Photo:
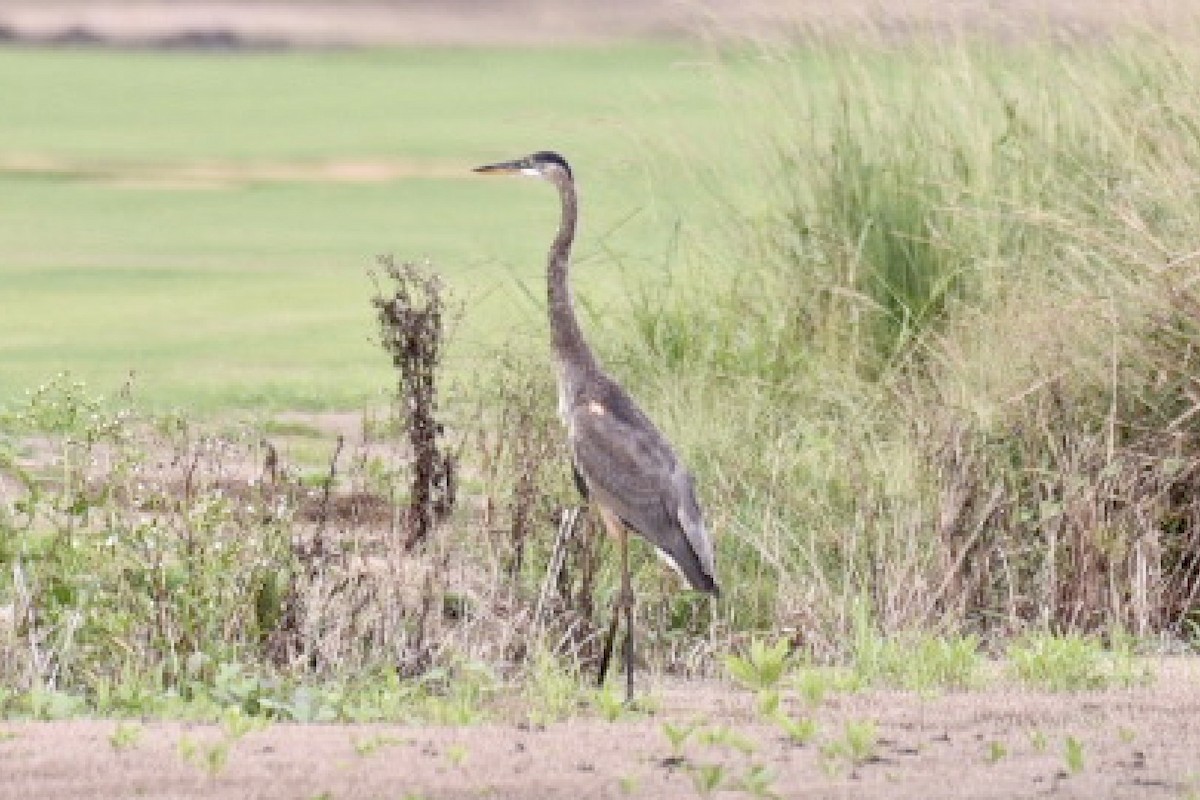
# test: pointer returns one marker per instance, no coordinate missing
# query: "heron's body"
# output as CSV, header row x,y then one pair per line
x,y
629,470
622,463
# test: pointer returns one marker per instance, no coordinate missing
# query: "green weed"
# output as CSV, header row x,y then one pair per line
x,y
917,661
706,777
856,746
813,684
210,757
235,723
724,736
678,735
800,731
861,739
762,667
767,701
758,780
1071,663
456,754
610,703
1073,755
125,736
372,744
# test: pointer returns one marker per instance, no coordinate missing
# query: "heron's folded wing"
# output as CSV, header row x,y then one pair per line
x,y
630,469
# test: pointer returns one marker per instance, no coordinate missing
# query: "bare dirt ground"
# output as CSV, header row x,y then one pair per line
x,y
1141,742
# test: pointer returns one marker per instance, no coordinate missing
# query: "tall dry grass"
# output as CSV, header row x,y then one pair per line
x,y
956,393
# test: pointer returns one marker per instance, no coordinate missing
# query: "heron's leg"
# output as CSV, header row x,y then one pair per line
x,y
606,654
626,600
616,529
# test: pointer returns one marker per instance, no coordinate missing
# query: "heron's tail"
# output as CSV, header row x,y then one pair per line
x,y
690,567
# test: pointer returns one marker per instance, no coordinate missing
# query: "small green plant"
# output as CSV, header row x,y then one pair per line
x,y
1073,754
610,703
862,738
1126,735
678,735
856,746
813,685
372,744
758,780
211,758
706,777
762,667
800,731
832,759
1038,740
456,754
125,736
768,702
629,784
722,736
996,751
236,723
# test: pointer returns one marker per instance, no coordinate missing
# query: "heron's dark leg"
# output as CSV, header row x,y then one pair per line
x,y
606,654
623,599
626,600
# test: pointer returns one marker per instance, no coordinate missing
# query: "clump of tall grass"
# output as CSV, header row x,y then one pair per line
x,y
969,403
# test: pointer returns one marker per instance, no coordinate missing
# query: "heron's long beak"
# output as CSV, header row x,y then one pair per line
x,y
501,168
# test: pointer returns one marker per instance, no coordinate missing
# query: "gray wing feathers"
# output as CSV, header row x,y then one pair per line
x,y
692,521
630,469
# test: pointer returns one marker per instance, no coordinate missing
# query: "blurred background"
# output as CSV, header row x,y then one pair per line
x,y
195,192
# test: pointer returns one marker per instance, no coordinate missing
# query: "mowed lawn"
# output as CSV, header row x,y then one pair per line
x,y
208,223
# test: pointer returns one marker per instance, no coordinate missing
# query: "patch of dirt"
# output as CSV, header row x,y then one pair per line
x,y
1142,742
224,175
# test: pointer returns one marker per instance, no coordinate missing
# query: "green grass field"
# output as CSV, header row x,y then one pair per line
x,y
251,292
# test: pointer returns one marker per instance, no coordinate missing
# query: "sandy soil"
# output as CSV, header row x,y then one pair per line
x,y
1135,743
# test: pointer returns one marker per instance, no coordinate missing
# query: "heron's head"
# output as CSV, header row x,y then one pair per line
x,y
544,164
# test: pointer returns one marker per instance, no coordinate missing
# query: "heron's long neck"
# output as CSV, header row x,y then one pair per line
x,y
566,338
